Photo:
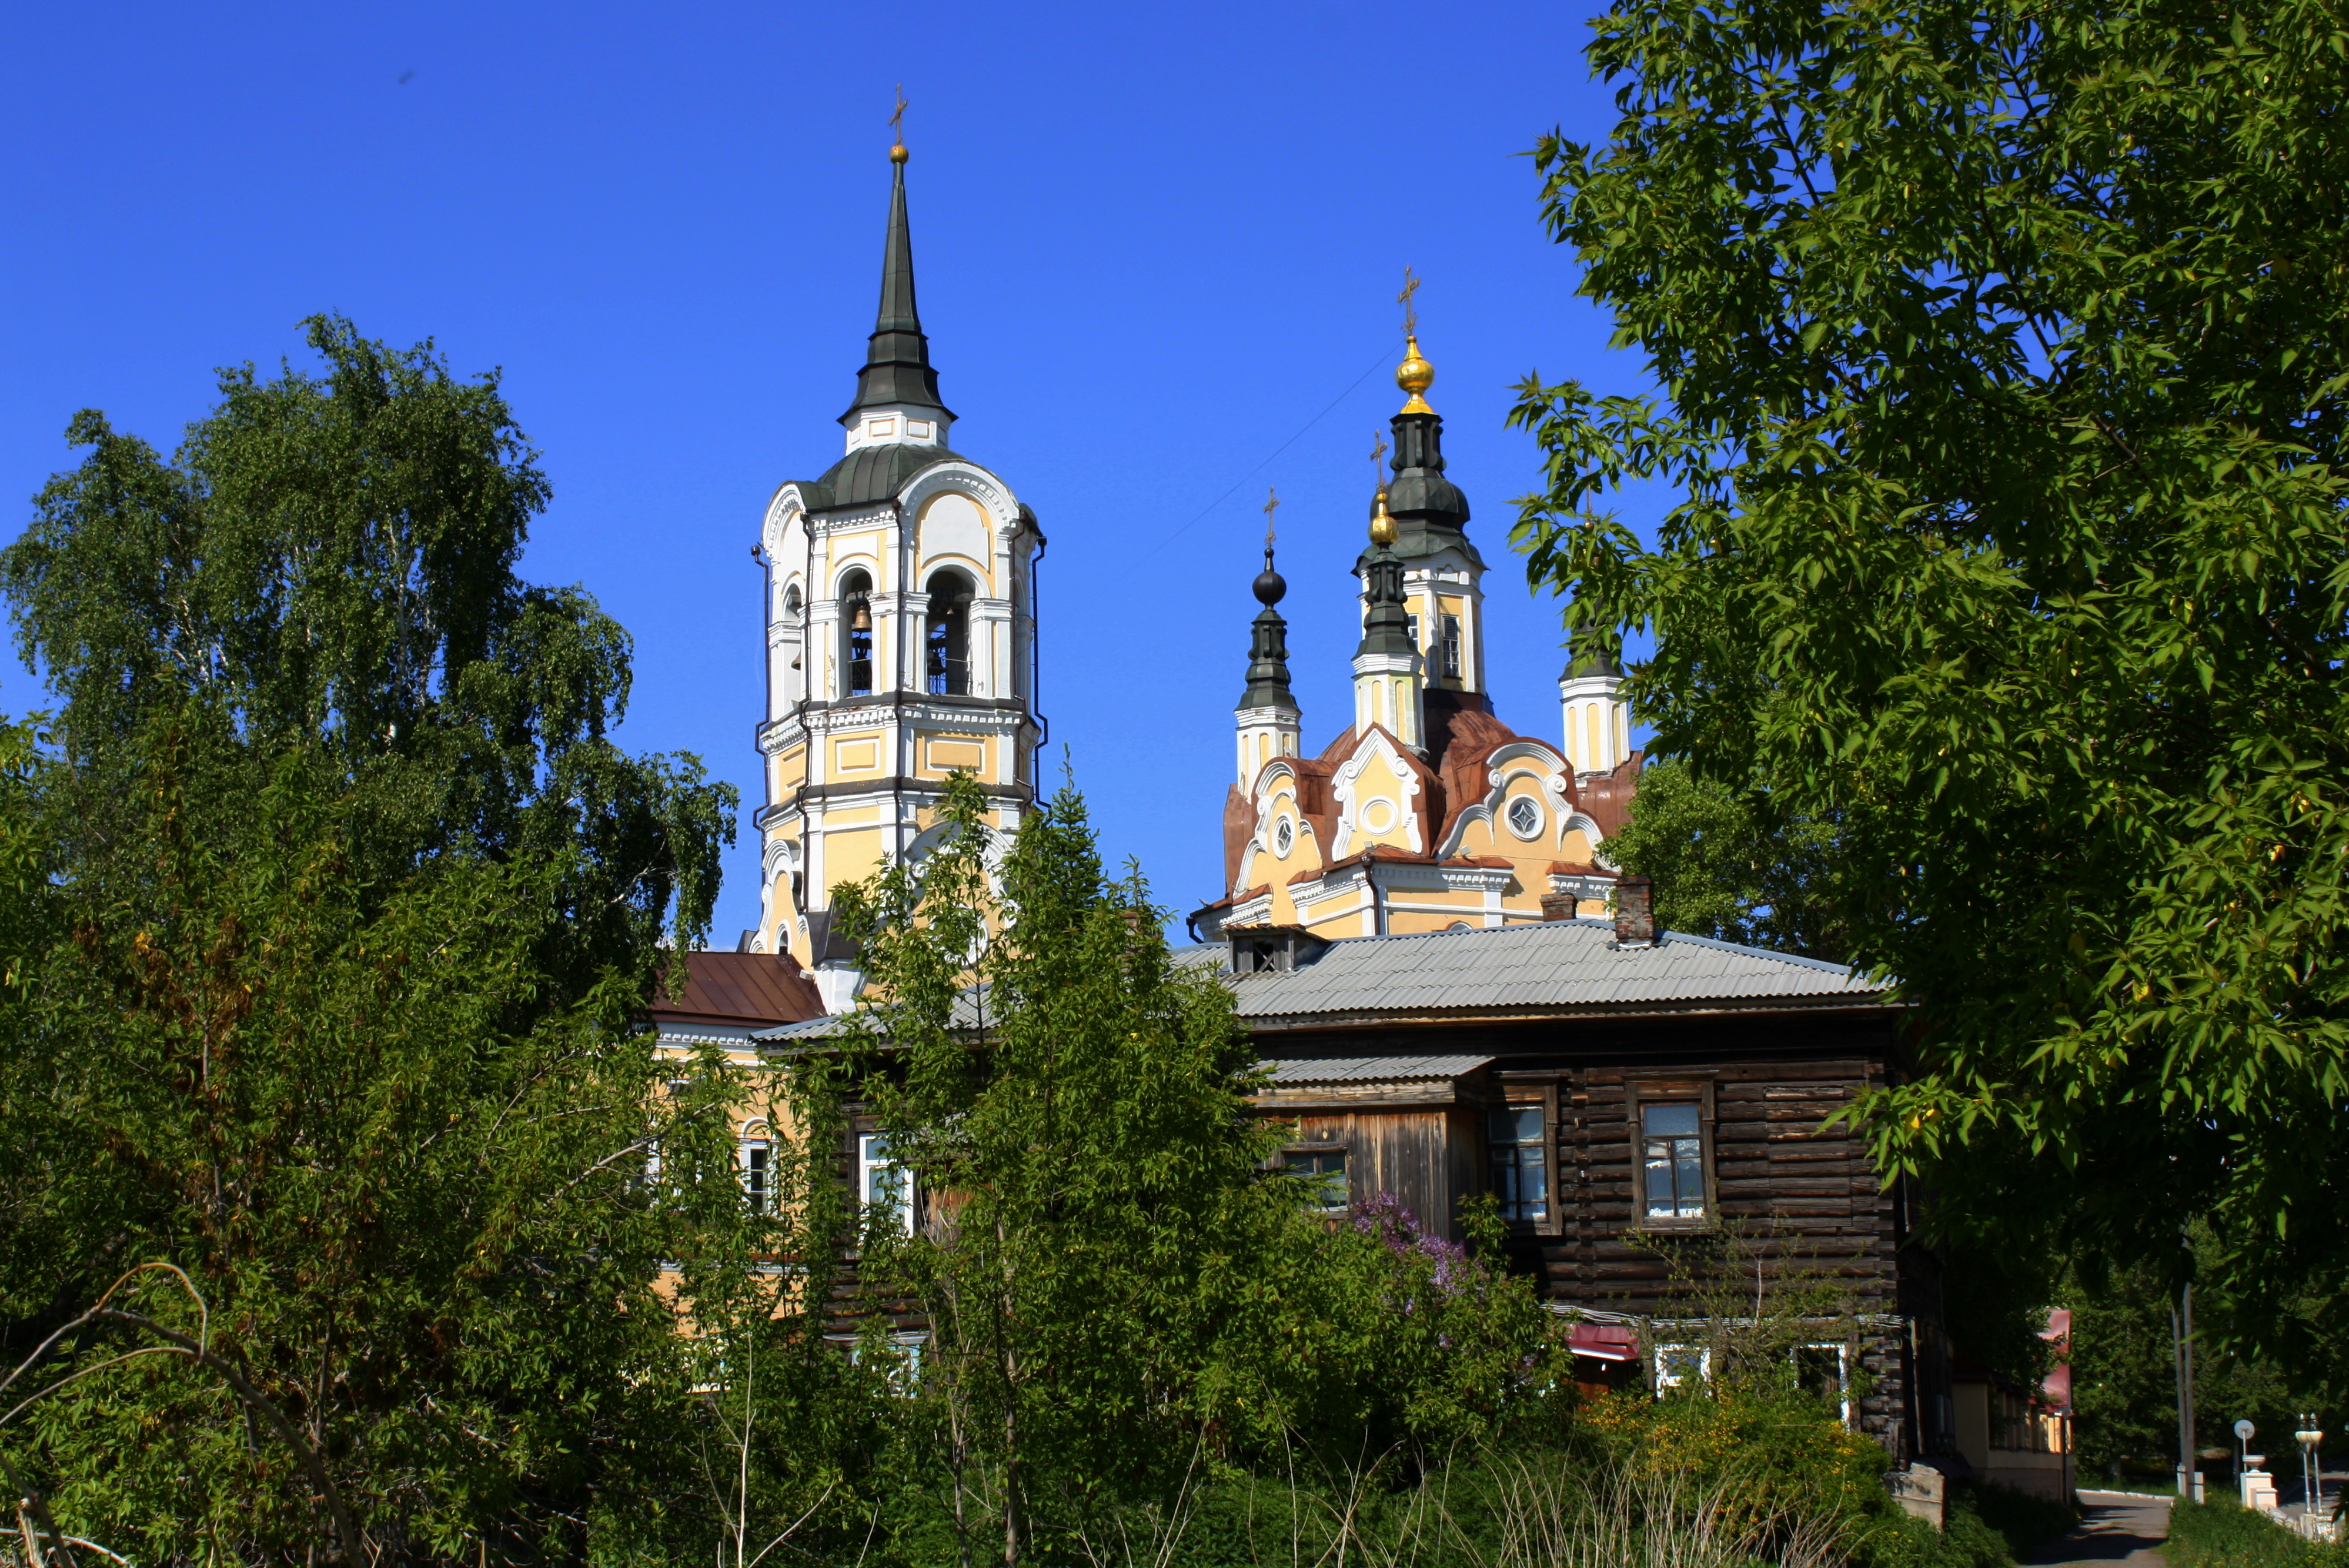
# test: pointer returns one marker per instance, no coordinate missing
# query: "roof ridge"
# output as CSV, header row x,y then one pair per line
x,y
1771,953
1473,930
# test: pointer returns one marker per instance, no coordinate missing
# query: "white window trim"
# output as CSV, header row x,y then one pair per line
x,y
866,1166
762,1198
1668,1378
1843,1372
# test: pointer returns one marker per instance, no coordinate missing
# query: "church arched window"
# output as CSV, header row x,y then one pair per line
x,y
948,657
856,635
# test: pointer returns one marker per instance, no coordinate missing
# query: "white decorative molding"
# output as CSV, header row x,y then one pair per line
x,y
782,854
896,425
1420,876
1590,831
862,520
1346,784
1269,777
1592,887
1519,760
968,479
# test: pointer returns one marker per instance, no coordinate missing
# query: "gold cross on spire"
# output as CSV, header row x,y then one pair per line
x,y
1271,511
897,127
1410,311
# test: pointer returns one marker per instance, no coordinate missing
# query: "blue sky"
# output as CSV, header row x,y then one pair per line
x,y
1154,244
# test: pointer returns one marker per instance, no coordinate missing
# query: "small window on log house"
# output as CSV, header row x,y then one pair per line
x,y
883,1187
1682,1366
1823,1371
1324,1173
1672,1159
1520,1163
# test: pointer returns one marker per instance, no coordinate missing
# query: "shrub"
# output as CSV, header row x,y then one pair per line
x,y
2222,1533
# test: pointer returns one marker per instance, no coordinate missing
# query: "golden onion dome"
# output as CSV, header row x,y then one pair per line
x,y
1415,376
1382,527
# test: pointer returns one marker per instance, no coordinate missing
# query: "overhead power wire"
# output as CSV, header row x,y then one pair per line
x,y
1276,452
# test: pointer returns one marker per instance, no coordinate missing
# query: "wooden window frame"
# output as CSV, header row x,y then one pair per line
x,y
1323,1145
1527,1091
1670,1088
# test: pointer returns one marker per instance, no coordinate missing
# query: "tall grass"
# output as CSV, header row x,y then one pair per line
x,y
1546,1508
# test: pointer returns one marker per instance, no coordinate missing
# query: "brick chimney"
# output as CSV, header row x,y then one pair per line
x,y
1635,914
1559,905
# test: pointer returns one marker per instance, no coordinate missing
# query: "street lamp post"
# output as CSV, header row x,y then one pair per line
x,y
2312,1475
2181,1323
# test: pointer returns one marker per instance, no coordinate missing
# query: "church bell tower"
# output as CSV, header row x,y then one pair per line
x,y
901,640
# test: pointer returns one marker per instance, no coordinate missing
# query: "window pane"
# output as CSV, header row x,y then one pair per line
x,y
1518,1124
1326,1169
1662,1203
1669,1120
1520,1163
1690,1178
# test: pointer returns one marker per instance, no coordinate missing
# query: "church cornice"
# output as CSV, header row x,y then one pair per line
x,y
907,787
990,716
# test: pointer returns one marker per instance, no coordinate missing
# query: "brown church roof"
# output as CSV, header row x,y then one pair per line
x,y
755,990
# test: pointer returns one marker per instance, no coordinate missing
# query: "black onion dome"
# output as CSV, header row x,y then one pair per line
x,y
1597,663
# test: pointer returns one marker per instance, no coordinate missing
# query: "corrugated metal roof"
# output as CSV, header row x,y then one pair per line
x,y
741,988
1554,966
1558,964
1372,1069
967,1014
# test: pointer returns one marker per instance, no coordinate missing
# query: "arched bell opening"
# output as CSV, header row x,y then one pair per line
x,y
856,635
947,660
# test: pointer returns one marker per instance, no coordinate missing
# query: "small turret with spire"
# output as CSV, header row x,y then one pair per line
x,y
1598,723
1268,721
1387,688
1443,575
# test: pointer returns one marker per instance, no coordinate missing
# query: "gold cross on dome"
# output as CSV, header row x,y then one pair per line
x,y
1271,510
1379,457
898,121
1410,311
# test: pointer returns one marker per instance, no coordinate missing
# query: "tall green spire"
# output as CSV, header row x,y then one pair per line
x,y
897,361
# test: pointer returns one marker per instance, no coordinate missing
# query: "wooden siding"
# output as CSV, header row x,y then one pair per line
x,y
1803,1201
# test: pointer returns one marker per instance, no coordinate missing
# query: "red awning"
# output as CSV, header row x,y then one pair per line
x,y
1605,1342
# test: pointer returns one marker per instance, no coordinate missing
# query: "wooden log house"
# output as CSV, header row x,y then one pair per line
x,y
1646,1107
1643,1104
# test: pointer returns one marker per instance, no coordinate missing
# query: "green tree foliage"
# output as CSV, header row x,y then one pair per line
x,y
334,911
1723,867
1118,1290
2124,1380
2002,387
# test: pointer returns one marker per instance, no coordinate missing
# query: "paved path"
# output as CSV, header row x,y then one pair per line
x,y
2115,1527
